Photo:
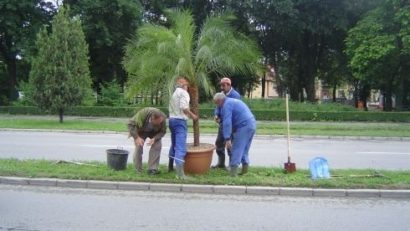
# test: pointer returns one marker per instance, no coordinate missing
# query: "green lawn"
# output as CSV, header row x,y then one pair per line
x,y
208,126
258,176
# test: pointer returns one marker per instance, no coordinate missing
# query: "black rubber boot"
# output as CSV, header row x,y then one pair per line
x,y
221,162
171,165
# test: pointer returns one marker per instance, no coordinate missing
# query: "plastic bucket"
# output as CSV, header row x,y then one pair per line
x,y
117,159
319,168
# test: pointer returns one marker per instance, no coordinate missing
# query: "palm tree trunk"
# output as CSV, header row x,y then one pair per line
x,y
193,90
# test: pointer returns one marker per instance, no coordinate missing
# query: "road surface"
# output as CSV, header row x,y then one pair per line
x,y
265,151
41,208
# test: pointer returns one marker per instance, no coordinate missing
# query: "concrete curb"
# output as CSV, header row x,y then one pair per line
x,y
207,189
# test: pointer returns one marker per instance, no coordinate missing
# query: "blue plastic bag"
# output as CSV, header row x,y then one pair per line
x,y
319,169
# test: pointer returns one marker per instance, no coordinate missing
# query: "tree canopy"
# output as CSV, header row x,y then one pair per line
x,y
19,24
379,50
359,42
107,24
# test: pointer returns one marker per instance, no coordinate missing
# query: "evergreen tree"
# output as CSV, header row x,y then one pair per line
x,y
60,74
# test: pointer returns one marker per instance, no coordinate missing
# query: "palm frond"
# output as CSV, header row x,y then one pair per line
x,y
157,55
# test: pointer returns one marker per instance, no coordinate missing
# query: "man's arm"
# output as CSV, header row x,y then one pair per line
x,y
184,104
190,114
227,120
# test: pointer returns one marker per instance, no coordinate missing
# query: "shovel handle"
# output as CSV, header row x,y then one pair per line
x,y
288,124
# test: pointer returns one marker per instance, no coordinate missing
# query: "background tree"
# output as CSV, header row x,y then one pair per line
x,y
158,55
19,24
107,24
60,73
379,51
111,95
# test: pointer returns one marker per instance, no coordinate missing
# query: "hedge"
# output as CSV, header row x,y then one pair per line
x,y
271,114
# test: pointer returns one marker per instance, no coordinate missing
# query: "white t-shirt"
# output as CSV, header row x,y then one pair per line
x,y
179,101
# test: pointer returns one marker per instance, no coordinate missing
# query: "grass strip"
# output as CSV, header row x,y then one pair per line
x,y
258,176
208,126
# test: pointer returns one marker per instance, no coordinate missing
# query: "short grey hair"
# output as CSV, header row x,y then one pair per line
x,y
219,96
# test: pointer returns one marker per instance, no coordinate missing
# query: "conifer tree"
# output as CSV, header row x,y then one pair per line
x,y
60,76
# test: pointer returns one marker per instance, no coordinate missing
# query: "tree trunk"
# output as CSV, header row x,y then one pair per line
x,y
61,114
334,92
310,91
263,84
388,103
11,63
356,93
364,94
194,94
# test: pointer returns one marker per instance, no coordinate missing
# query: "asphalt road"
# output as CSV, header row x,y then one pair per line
x,y
42,208
265,151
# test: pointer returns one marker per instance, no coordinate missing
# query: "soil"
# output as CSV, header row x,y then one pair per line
x,y
202,147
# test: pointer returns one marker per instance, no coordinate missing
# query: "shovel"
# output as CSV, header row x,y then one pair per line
x,y
289,166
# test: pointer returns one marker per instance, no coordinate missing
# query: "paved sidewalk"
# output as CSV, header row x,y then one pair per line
x,y
208,189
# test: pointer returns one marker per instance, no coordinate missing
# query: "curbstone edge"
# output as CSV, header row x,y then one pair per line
x,y
225,189
209,189
296,191
395,194
319,192
259,190
192,188
94,184
72,183
133,186
42,182
363,193
165,187
15,180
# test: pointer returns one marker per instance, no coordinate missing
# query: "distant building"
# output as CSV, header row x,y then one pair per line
x,y
270,86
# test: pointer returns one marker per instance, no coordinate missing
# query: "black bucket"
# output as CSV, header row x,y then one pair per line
x,y
117,159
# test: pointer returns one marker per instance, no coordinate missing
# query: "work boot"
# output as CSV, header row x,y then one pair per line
x,y
233,171
221,162
180,174
171,165
245,168
153,172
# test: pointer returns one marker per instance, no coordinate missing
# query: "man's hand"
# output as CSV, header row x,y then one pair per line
x,y
228,144
139,141
151,142
194,117
217,119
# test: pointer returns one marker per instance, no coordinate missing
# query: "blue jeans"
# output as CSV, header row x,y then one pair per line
x,y
242,140
179,131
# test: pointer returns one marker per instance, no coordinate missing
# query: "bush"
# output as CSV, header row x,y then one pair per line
x,y
279,104
207,113
111,94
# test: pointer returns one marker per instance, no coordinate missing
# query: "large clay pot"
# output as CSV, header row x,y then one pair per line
x,y
198,159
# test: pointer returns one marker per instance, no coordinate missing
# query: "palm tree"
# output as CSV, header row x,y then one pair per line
x,y
158,55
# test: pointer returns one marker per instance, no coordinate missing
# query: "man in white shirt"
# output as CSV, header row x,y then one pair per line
x,y
178,115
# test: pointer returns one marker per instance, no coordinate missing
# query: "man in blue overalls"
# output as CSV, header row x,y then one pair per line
x,y
179,113
239,123
230,92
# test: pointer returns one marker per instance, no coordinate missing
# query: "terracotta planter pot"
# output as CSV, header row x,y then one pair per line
x,y
198,159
